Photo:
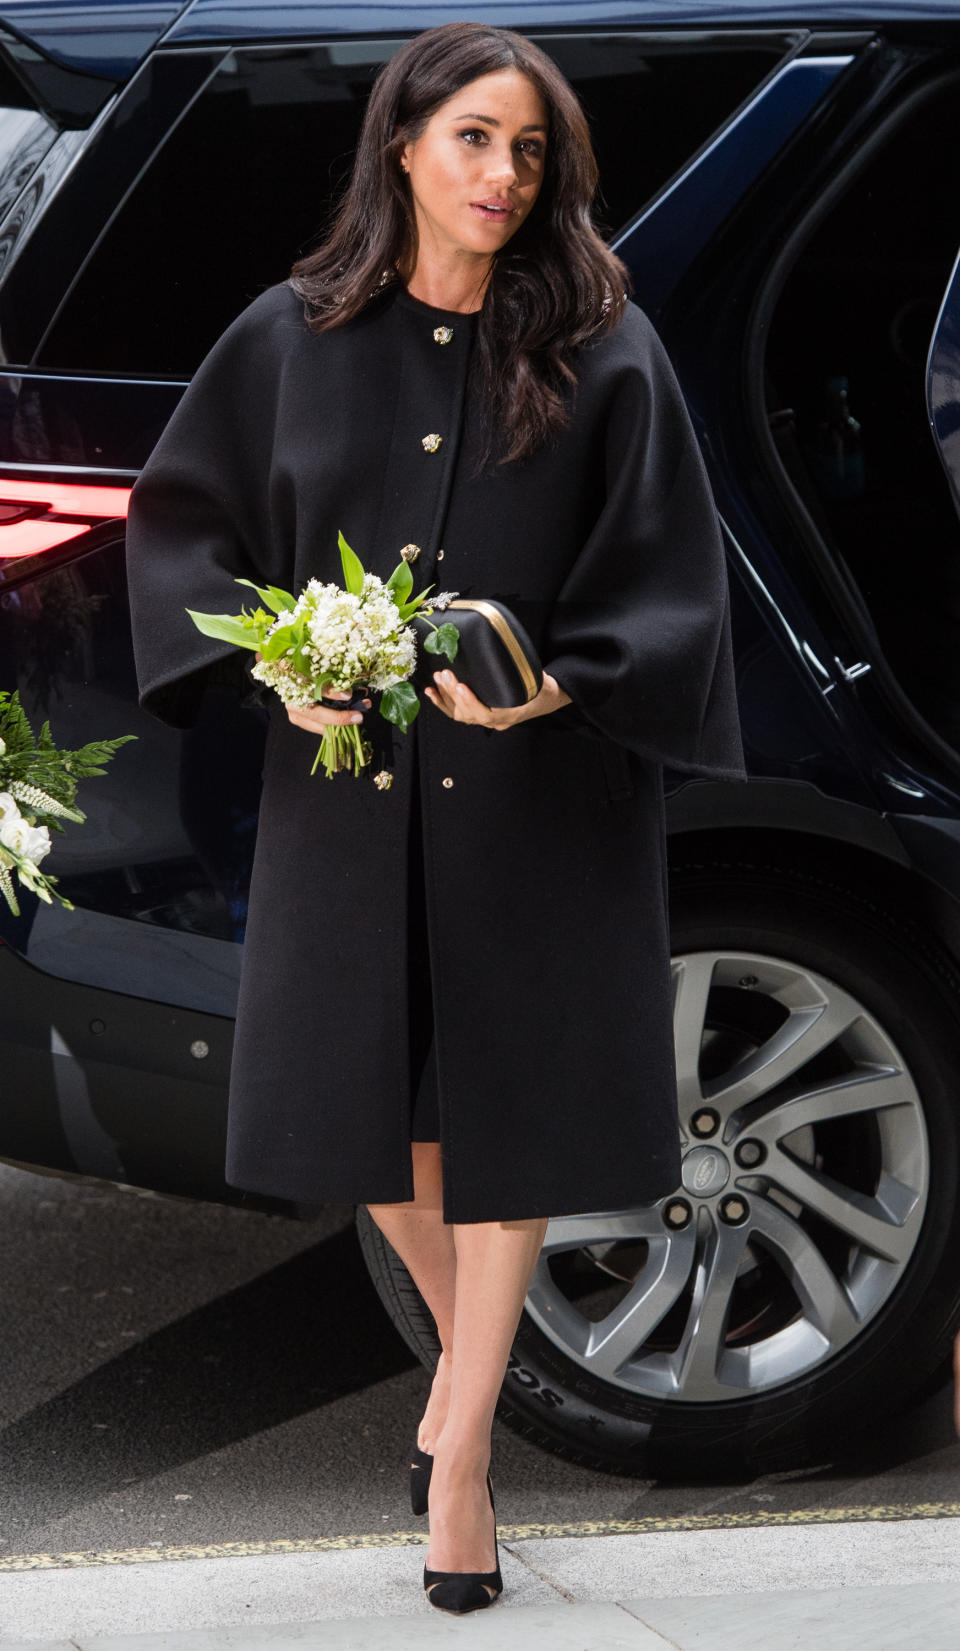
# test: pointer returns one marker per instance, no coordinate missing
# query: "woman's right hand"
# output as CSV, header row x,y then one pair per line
x,y
316,718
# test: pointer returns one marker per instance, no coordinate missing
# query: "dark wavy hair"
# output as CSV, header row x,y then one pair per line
x,y
553,285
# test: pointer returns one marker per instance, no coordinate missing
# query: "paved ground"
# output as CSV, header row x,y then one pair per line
x,y
868,1586
177,1373
205,1422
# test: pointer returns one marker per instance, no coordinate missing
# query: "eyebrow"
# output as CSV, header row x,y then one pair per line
x,y
491,122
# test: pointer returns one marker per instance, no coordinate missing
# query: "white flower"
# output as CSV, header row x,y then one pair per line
x,y
357,638
293,688
33,879
350,639
9,812
32,842
35,798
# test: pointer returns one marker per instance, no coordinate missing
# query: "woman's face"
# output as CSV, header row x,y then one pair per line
x,y
476,168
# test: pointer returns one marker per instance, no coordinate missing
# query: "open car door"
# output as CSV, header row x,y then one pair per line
x,y
943,383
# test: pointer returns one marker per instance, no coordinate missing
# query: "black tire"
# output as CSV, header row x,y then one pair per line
x,y
907,987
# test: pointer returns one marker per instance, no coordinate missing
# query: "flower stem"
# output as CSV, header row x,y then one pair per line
x,y
340,748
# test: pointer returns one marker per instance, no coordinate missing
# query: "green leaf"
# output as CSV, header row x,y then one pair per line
x,y
279,600
226,628
444,640
14,727
86,760
38,763
400,583
352,567
400,705
283,638
411,607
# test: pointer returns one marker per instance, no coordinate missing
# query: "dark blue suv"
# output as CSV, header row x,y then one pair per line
x,y
783,182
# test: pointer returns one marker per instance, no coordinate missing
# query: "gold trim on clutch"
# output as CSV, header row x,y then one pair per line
x,y
509,640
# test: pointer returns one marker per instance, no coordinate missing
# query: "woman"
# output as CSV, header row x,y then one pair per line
x,y
478,1037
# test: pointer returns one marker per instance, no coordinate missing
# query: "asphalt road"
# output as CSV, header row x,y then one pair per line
x,y
182,1374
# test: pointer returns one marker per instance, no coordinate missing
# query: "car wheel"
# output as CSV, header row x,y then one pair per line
x,y
800,1285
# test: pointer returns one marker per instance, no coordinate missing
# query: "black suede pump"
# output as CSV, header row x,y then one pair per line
x,y
421,1467
462,1591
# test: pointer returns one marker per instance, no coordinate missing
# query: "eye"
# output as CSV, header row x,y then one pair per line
x,y
472,132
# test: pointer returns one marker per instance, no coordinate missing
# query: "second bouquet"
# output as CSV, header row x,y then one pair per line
x,y
356,639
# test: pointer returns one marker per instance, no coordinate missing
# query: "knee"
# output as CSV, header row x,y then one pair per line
x,y
427,1173
426,1155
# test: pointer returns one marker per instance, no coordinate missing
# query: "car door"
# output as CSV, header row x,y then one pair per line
x,y
943,383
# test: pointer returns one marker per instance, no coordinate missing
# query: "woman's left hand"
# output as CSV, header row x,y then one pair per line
x,y
462,705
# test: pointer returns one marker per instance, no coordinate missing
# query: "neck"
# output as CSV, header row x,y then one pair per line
x,y
451,285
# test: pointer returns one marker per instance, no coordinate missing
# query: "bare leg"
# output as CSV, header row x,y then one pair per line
x,y
494,1264
474,1277
425,1246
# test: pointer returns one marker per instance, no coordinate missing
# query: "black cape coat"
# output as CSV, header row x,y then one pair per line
x,y
543,845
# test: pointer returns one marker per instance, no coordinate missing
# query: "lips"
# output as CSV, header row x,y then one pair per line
x,y
496,212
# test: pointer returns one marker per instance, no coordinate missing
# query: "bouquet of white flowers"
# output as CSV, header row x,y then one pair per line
x,y
38,784
353,639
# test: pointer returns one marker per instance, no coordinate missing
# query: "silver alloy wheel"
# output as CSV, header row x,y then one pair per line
x,y
805,1172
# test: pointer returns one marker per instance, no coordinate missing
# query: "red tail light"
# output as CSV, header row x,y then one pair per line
x,y
35,516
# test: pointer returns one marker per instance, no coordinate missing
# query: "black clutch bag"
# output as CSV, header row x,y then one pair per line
x,y
495,657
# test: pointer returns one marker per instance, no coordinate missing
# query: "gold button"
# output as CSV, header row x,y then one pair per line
x,y
384,780
443,335
410,552
439,555
447,782
431,443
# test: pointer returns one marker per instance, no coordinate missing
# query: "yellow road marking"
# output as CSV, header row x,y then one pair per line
x,y
506,1533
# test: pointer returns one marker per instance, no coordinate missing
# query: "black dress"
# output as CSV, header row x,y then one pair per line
x,y
425,1109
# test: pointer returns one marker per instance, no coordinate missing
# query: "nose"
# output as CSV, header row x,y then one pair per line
x,y
502,169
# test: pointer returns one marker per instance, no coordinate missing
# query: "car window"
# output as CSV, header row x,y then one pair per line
x,y
845,374
243,183
25,137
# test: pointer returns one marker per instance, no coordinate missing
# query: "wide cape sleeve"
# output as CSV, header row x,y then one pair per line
x,y
199,518
639,636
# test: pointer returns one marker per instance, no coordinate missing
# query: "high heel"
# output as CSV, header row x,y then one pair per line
x,y
462,1591
421,1467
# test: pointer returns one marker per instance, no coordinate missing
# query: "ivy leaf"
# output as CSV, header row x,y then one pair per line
x,y
444,640
352,567
400,705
